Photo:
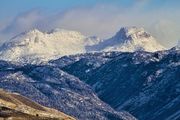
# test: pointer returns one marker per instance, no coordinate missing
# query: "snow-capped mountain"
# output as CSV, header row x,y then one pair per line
x,y
105,76
129,39
36,47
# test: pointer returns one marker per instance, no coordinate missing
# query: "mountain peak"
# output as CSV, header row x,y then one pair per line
x,y
31,32
34,45
34,31
130,33
131,29
64,31
177,47
130,39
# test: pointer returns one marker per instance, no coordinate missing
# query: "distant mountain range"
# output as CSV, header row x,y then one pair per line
x,y
35,46
127,77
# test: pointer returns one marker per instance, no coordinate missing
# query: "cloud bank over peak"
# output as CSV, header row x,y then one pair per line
x,y
103,20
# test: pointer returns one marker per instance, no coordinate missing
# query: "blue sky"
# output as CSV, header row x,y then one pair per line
x,y
159,17
16,6
10,8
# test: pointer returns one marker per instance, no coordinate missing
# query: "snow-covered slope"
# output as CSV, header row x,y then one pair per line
x,y
129,39
36,47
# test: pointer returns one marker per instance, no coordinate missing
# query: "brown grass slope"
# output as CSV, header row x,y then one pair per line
x,y
16,107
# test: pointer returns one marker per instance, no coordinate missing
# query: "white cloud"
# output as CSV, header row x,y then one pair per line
x,y
103,21
24,21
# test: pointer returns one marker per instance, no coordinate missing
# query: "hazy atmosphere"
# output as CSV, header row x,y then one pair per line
x,y
101,18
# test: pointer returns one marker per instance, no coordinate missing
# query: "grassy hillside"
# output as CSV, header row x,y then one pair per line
x,y
16,107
